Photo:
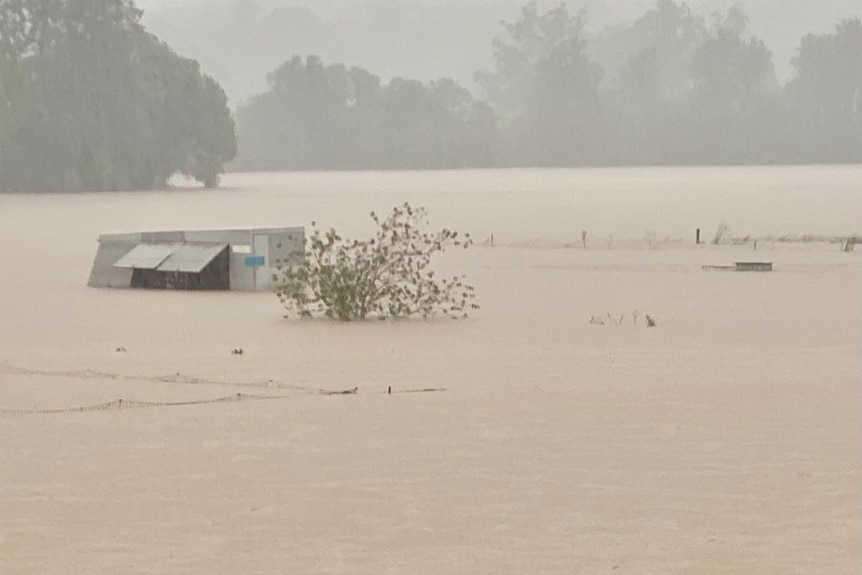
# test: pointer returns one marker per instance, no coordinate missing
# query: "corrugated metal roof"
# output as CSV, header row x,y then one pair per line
x,y
146,256
171,257
191,258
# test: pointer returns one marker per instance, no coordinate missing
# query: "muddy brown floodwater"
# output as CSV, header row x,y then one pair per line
x,y
724,440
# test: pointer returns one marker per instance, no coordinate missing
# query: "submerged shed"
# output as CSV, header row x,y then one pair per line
x,y
243,260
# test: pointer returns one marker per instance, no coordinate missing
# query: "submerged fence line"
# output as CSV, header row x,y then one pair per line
x,y
119,404
169,378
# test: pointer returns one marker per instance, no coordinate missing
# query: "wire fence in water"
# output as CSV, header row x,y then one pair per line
x,y
168,378
179,378
119,404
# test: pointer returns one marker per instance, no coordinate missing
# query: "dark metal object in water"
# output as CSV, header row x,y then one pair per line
x,y
742,267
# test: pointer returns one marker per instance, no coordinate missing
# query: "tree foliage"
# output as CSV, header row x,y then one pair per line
x,y
104,105
671,87
545,87
316,116
735,102
387,276
90,100
826,94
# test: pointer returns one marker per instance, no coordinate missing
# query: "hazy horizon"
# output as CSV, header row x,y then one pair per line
x,y
246,39
108,96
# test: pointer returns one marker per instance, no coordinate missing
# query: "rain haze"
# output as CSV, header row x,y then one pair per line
x,y
424,39
604,316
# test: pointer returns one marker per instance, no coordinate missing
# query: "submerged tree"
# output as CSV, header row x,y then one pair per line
x,y
387,276
101,103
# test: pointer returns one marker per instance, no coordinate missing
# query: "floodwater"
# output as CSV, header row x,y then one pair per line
x,y
724,440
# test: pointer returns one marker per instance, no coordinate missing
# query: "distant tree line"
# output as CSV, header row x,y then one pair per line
x,y
90,101
319,117
671,87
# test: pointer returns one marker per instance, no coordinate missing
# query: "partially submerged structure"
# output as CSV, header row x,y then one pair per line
x,y
743,267
244,260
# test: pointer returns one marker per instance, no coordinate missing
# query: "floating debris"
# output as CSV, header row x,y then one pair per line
x,y
742,267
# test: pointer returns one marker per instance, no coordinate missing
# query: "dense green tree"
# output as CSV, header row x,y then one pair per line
x,y
694,90
386,276
664,42
11,95
22,23
17,37
319,117
107,105
826,94
312,117
434,125
90,100
650,82
736,107
546,88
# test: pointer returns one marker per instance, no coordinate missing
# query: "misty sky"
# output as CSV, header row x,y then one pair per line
x,y
240,41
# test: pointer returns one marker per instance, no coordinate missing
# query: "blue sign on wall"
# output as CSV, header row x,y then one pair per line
x,y
255,261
